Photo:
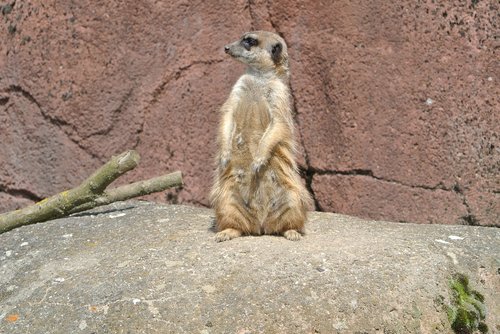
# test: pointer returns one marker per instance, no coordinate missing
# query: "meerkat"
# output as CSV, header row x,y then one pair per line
x,y
257,188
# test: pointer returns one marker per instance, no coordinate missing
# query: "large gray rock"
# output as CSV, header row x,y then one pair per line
x,y
138,267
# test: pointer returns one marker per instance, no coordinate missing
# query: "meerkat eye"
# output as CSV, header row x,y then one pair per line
x,y
248,42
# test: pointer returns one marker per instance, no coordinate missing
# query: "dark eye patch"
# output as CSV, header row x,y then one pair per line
x,y
248,42
276,52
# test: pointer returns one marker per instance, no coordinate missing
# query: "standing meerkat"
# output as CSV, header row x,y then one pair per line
x,y
257,188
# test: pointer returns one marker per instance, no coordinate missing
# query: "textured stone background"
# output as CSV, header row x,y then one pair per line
x,y
396,101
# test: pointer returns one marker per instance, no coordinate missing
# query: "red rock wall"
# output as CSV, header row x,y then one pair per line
x,y
397,102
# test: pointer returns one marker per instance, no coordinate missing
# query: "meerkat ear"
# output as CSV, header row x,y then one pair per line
x,y
276,52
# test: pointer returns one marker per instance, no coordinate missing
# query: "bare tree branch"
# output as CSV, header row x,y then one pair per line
x,y
90,193
132,190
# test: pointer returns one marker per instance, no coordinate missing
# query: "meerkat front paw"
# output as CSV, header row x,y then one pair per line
x,y
225,157
227,234
258,163
292,235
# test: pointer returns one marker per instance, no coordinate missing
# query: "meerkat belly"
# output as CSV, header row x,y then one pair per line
x,y
252,119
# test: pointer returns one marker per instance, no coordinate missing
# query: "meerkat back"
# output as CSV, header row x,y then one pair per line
x,y
257,188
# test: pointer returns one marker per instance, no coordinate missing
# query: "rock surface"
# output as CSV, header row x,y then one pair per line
x,y
139,267
394,99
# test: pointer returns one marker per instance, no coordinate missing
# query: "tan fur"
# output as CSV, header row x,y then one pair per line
x,y
257,188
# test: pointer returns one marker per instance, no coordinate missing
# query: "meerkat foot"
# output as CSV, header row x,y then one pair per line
x,y
257,164
292,235
227,234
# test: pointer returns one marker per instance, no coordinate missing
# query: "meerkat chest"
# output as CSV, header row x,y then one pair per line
x,y
254,110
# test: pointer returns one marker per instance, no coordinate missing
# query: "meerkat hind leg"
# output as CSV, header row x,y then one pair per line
x,y
227,234
287,218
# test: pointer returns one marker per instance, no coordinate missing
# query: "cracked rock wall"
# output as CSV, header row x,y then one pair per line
x,y
396,102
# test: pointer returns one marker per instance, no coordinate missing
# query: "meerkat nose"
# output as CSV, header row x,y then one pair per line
x,y
226,49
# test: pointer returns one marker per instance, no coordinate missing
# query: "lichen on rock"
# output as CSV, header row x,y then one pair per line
x,y
468,309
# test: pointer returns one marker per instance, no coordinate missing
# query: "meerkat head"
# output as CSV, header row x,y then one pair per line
x,y
261,50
